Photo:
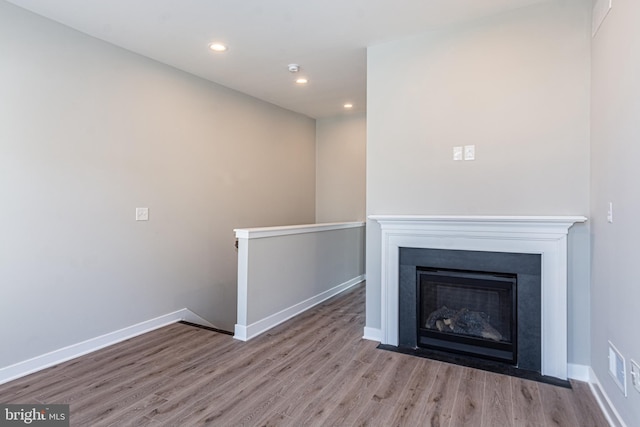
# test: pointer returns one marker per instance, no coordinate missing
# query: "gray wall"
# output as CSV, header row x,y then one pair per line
x,y
340,168
89,132
284,271
516,86
615,147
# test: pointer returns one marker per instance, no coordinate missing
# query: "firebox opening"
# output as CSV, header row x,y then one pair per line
x,y
467,312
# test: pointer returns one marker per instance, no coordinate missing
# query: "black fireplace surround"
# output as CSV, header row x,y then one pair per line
x,y
510,337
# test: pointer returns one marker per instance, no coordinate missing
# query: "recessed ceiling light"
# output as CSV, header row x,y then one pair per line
x,y
217,47
348,105
302,81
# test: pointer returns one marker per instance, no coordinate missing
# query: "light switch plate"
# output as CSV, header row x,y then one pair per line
x,y
142,214
457,153
469,152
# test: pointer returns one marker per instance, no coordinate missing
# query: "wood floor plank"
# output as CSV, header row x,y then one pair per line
x,y
527,405
470,374
312,375
293,372
271,418
260,405
96,407
468,407
373,414
408,411
316,400
347,405
365,351
314,369
29,390
205,389
437,410
298,394
558,405
79,377
497,409
224,406
134,375
131,415
104,361
399,369
586,407
305,350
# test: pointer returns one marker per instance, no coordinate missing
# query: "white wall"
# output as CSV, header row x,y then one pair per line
x,y
516,86
341,168
89,132
615,148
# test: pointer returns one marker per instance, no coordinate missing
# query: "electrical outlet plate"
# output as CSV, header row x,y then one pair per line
x,y
635,374
617,368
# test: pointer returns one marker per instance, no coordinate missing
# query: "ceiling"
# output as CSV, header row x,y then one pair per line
x,y
327,38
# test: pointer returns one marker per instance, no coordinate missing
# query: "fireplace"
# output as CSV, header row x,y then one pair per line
x,y
472,304
467,312
542,237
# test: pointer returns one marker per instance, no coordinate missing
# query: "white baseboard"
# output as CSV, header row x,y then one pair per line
x,y
372,334
61,355
609,411
240,332
578,372
246,332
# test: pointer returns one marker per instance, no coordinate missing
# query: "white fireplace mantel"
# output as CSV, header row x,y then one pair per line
x,y
543,235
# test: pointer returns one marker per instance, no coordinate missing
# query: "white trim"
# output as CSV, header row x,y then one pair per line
x,y
544,235
579,372
499,220
247,332
243,281
64,354
610,413
599,12
240,332
372,334
258,233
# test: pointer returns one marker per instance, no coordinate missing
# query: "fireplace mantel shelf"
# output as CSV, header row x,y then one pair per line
x,y
544,235
505,220
484,218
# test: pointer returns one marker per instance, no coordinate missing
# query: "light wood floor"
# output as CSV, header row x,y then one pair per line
x,y
313,370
